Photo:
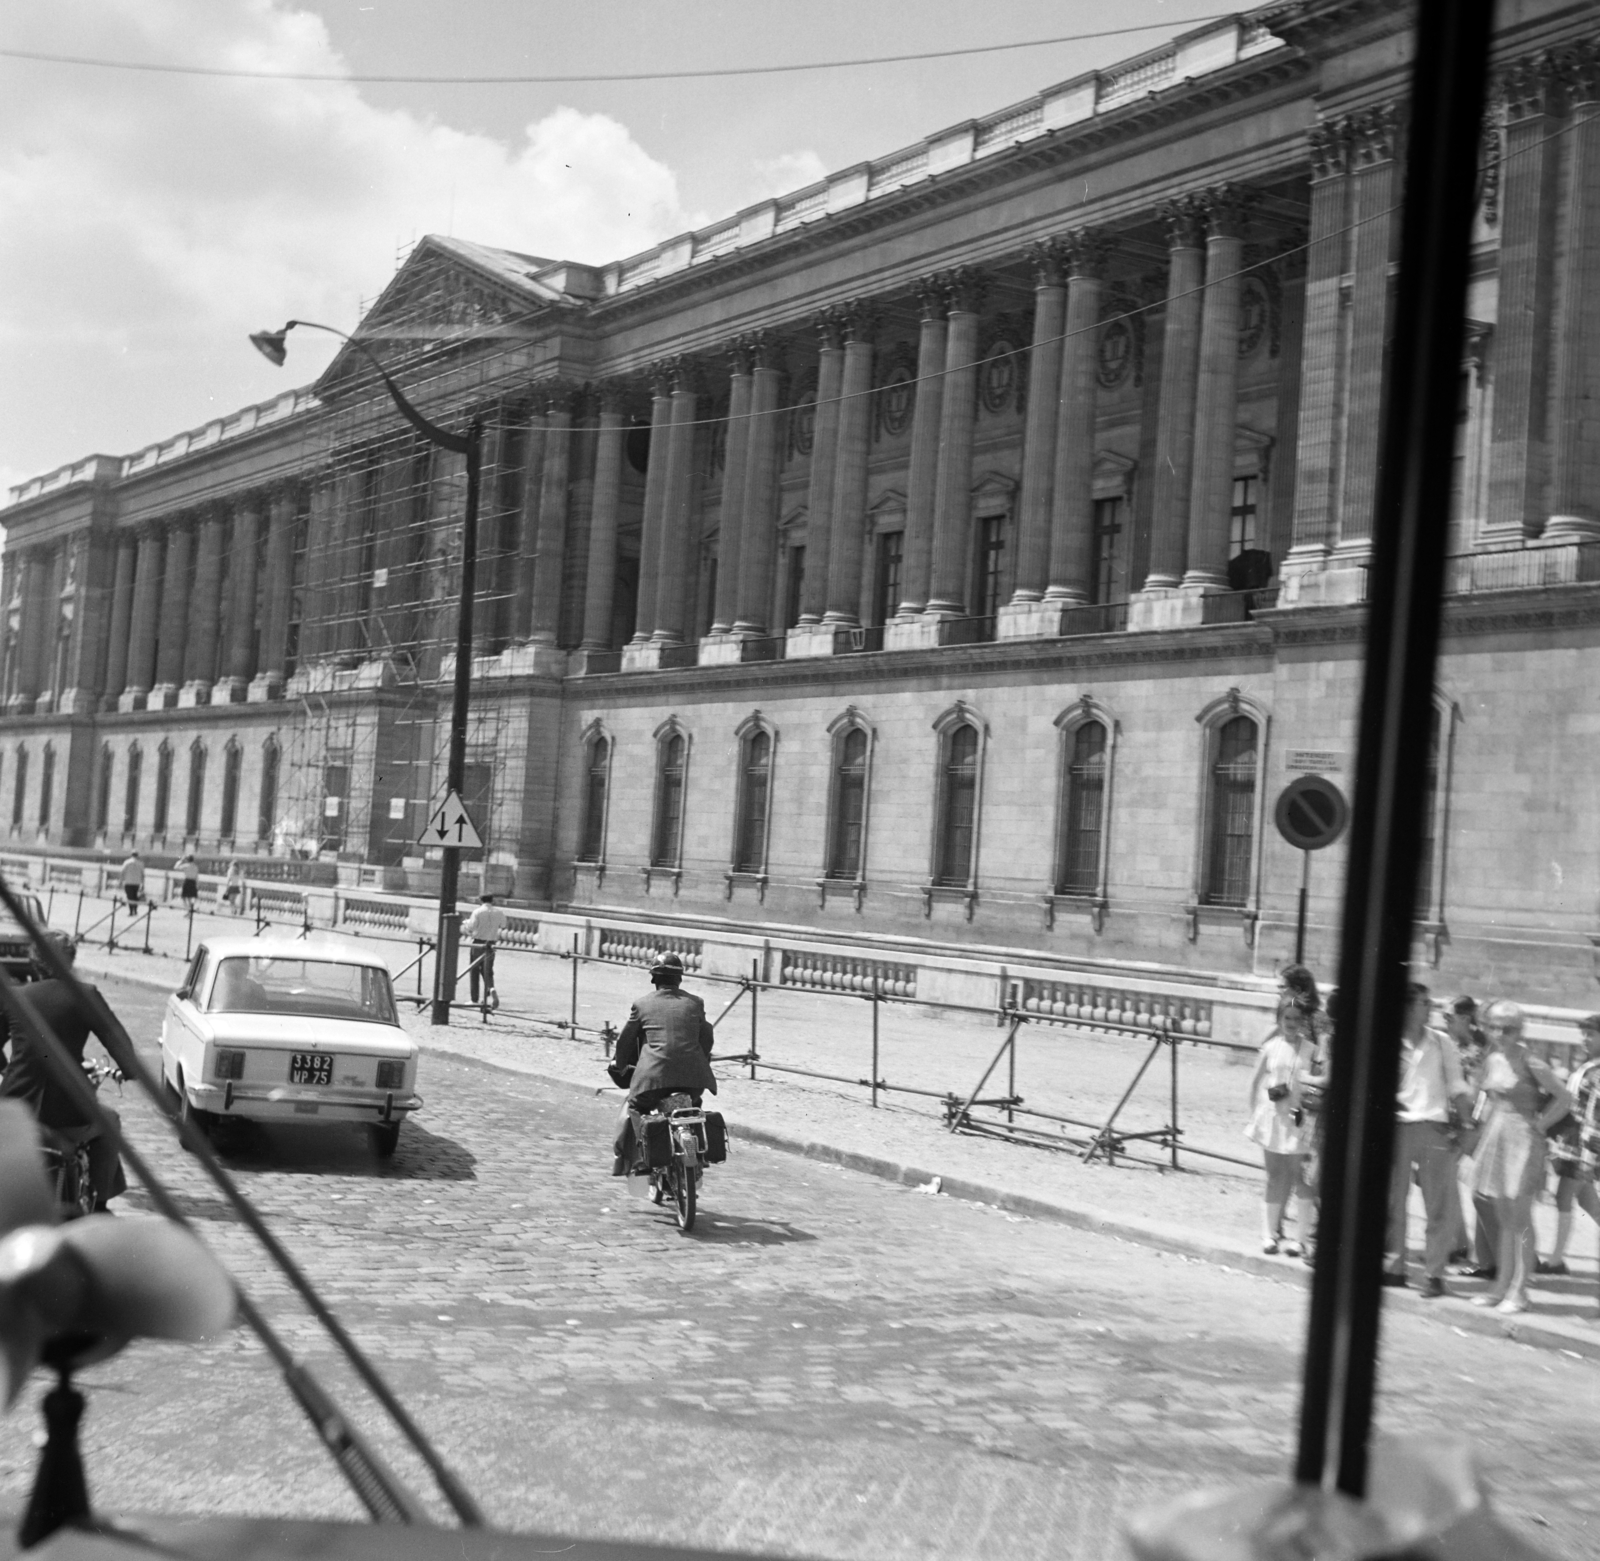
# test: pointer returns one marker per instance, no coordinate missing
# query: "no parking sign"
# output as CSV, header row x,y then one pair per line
x,y
1311,813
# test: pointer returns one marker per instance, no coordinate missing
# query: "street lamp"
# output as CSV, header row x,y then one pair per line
x,y
271,345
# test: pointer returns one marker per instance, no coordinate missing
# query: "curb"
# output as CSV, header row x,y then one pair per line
x,y
1573,1338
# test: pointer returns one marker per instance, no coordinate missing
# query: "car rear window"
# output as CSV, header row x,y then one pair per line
x,y
317,988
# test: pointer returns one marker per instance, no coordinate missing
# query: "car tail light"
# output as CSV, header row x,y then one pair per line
x,y
391,1075
229,1065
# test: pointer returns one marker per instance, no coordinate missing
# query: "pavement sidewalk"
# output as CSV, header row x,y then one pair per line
x,y
1208,1215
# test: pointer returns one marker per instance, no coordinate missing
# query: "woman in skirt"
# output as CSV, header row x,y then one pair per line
x,y
1524,1098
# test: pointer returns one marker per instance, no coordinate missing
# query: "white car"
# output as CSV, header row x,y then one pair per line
x,y
276,1029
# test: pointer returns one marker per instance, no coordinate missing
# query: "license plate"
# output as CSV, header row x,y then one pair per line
x,y
310,1068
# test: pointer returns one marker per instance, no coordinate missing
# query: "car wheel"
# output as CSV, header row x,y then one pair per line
x,y
386,1139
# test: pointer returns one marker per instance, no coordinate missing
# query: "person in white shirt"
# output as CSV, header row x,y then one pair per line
x,y
483,927
1430,1081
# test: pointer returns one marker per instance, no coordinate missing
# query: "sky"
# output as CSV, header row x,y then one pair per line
x,y
149,222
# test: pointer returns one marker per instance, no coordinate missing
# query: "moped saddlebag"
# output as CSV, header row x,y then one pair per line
x,y
657,1142
716,1131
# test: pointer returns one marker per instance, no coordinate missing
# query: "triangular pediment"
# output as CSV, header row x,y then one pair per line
x,y
450,292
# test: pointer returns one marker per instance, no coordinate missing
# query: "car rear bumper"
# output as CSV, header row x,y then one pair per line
x,y
299,1103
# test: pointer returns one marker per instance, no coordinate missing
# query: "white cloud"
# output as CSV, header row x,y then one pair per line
x,y
781,175
148,222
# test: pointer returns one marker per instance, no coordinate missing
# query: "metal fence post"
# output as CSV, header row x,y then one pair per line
x,y
874,1042
755,994
188,933
1166,1028
572,1027
77,920
111,930
1011,1075
149,911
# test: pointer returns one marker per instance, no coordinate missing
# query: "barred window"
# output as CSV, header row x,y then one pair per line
x,y
1082,810
158,825
19,789
130,793
47,784
596,778
102,799
849,820
667,843
197,789
1231,812
755,788
232,763
267,809
958,806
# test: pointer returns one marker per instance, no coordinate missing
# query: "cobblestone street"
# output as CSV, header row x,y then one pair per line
x,y
830,1365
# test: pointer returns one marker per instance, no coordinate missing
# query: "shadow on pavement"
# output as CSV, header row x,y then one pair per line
x,y
344,1150
729,1230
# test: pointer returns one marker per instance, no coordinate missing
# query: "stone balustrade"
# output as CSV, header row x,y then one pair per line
x,y
820,972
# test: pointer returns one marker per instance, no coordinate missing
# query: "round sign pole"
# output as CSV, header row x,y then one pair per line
x,y
1311,814
1300,920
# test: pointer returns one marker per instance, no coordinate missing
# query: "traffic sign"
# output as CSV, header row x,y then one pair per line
x,y
1311,813
449,826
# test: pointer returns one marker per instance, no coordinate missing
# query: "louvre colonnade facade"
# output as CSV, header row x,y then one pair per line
x,y
957,554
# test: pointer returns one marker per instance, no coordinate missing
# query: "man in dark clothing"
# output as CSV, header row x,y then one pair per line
x,y
664,1047
30,1078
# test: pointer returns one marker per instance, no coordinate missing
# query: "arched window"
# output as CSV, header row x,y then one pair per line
x,y
754,805
130,792
158,823
672,761
1085,759
958,806
102,797
19,789
267,809
1231,812
197,789
848,815
1436,806
232,763
47,784
596,780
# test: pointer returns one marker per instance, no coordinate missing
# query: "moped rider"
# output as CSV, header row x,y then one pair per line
x,y
30,1078
664,1048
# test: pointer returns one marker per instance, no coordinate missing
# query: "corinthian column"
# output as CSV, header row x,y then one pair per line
x,y
824,456
952,509
1519,449
730,525
1575,474
239,655
759,506
200,645
1072,486
142,628
1217,399
1180,371
553,491
121,620
277,598
23,676
922,480
655,488
600,579
1039,432
858,322
174,621
679,546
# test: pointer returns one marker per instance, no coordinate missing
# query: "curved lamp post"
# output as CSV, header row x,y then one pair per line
x,y
272,346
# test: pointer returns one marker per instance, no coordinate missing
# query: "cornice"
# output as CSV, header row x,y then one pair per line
x,y
1174,107
1538,609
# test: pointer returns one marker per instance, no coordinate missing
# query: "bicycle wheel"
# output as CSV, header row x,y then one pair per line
x,y
683,1194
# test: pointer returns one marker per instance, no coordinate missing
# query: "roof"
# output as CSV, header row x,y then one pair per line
x,y
327,947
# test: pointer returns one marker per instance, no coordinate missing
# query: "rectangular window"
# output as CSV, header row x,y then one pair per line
x,y
886,579
794,587
267,812
1110,556
297,589
197,792
158,825
1233,808
1083,812
335,800
991,571
1242,517
849,806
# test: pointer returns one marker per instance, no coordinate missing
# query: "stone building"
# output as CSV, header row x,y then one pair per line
x,y
952,559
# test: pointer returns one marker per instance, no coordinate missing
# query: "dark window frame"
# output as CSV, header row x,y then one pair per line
x,y
960,791
597,752
752,814
850,781
671,791
1228,874
1081,844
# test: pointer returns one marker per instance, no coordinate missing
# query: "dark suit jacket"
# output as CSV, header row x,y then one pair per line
x,y
668,1042
29,1076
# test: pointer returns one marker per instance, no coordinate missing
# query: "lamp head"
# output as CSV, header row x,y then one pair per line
x,y
271,344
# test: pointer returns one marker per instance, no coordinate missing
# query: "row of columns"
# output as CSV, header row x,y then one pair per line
x,y
183,624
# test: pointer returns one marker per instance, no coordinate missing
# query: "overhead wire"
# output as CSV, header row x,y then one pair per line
x,y
582,77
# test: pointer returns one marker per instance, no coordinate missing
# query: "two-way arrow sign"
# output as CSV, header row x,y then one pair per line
x,y
449,826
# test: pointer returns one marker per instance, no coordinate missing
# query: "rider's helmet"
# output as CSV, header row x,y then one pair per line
x,y
667,970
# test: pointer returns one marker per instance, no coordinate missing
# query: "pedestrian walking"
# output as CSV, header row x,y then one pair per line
x,y
483,927
188,871
133,878
1279,1123
233,887
1525,1100
1575,1175
1432,1090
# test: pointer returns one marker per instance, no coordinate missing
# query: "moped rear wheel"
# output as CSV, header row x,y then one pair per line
x,y
683,1194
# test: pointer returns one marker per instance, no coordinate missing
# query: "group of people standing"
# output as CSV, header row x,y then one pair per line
x,y
1479,1116
231,893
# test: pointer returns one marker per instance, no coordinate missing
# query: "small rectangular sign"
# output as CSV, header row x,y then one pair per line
x,y
1314,761
397,807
